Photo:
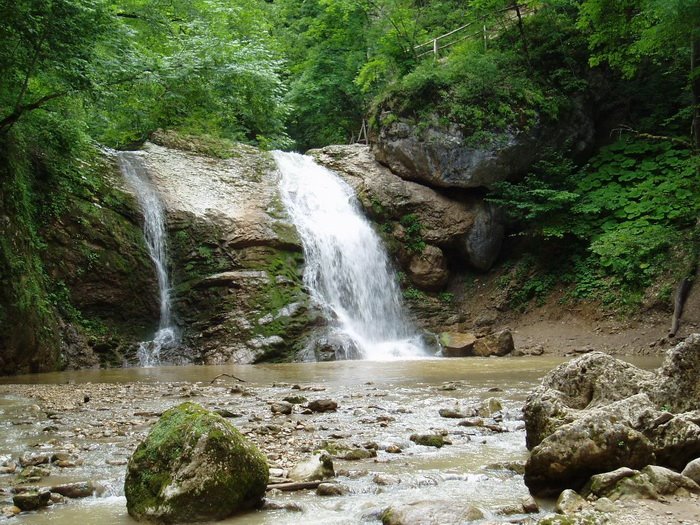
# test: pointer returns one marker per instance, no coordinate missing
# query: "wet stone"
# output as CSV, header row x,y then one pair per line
x,y
428,440
323,405
32,500
451,413
358,454
281,408
83,489
331,489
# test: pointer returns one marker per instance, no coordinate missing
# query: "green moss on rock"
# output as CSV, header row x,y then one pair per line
x,y
194,466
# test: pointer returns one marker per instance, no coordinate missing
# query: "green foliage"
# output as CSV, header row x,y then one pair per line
x,y
413,294
619,215
413,240
543,199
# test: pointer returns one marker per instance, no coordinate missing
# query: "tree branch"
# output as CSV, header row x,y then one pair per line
x,y
651,136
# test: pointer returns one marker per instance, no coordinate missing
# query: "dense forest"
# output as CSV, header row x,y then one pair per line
x,y
610,221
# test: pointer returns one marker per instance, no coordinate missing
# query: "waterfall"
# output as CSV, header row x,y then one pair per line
x,y
347,269
154,232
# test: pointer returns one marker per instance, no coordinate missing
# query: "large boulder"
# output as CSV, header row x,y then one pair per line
x,y
575,452
193,466
428,269
441,156
595,414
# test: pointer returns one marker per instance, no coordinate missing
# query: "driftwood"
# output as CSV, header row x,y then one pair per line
x,y
678,303
294,485
227,375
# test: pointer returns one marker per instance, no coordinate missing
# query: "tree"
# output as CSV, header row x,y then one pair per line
x,y
48,52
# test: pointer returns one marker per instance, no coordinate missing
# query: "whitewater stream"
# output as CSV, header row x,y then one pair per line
x,y
379,402
154,232
347,268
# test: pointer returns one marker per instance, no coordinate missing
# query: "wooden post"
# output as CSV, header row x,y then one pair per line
x,y
485,38
435,48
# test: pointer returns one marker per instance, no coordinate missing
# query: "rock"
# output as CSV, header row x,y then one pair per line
x,y
438,155
32,500
692,470
193,466
573,453
451,413
667,482
601,484
456,344
428,269
678,388
489,407
386,479
472,422
290,506
318,467
281,408
598,394
498,344
434,512
466,225
295,400
359,453
32,460
649,483
394,449
592,380
10,511
331,489
85,489
322,405
429,440
529,504
34,472
569,502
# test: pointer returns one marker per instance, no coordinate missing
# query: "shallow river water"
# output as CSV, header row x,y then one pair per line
x,y
99,416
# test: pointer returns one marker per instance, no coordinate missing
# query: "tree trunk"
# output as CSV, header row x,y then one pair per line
x,y
695,84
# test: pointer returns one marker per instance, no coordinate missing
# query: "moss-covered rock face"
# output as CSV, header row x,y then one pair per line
x,y
236,261
77,286
193,466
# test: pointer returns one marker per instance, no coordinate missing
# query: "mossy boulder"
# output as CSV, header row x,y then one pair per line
x,y
193,466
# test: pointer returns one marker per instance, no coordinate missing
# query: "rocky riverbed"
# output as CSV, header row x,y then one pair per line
x,y
435,439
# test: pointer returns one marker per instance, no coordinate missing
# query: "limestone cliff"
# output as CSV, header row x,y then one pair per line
x,y
236,261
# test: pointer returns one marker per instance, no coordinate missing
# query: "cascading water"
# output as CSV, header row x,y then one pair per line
x,y
154,233
347,269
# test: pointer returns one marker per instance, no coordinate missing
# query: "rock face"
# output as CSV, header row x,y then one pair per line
x,y
439,155
95,268
237,262
193,466
596,414
418,219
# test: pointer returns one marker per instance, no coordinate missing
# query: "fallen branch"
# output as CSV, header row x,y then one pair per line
x,y
294,485
226,375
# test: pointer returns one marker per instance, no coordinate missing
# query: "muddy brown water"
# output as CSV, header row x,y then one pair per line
x,y
381,402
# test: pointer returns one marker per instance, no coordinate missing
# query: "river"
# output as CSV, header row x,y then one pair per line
x,y
98,417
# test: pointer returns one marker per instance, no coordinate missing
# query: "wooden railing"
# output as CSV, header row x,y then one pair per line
x,y
434,45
